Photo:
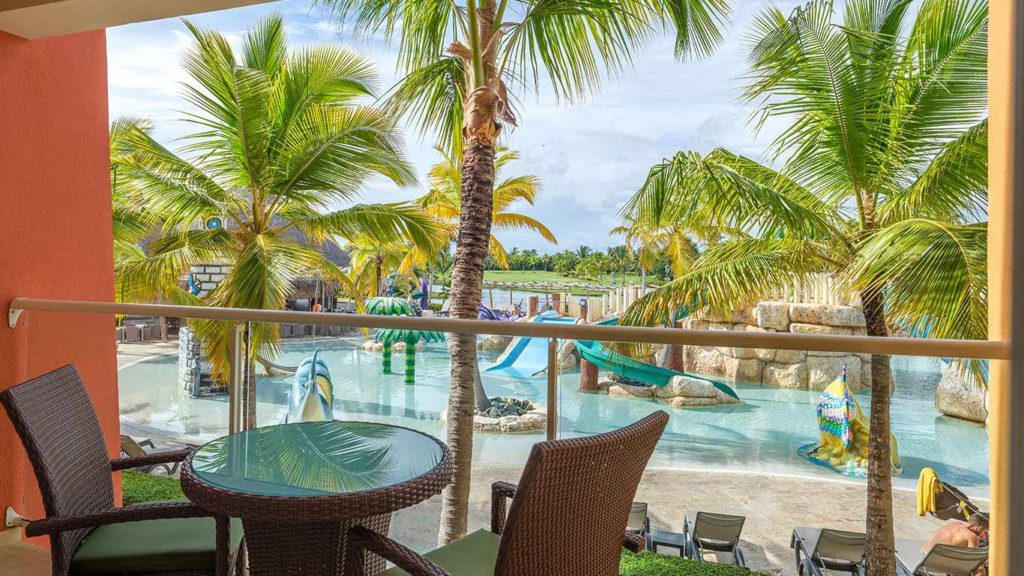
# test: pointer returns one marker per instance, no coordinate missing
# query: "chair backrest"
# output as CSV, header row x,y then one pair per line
x,y
62,437
572,504
130,447
840,545
718,527
638,520
952,560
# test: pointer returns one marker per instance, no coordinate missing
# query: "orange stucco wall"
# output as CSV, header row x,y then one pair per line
x,y
55,229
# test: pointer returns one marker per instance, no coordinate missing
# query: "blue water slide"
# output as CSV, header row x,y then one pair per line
x,y
526,357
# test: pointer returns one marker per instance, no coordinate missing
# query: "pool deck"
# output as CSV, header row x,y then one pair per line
x,y
772,504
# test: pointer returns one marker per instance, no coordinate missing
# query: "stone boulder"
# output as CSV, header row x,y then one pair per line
x,y
822,370
961,396
620,389
688,402
774,315
568,356
704,360
744,370
686,386
792,375
826,314
494,343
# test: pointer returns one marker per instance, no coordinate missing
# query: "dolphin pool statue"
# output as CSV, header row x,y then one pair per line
x,y
311,398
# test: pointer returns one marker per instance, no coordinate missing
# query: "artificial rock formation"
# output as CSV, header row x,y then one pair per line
x,y
783,368
959,395
680,392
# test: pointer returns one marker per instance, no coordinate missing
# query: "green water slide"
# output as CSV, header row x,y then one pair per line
x,y
606,359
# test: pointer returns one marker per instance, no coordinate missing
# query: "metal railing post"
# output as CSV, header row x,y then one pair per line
x,y
236,389
552,389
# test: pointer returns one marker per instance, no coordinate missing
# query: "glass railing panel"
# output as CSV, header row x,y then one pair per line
x,y
165,393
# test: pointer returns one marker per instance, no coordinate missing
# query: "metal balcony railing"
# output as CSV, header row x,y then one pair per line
x,y
893,346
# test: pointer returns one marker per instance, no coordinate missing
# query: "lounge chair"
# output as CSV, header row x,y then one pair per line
x,y
639,522
707,532
62,436
822,551
568,514
132,449
942,559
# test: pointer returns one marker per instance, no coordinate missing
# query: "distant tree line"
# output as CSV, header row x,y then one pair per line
x,y
583,262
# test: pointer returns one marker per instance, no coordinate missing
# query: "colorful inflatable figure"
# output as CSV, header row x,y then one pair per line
x,y
311,398
844,433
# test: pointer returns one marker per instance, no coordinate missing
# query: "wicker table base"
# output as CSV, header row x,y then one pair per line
x,y
299,488
306,549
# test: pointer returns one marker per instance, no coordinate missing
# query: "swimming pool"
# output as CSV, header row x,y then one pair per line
x,y
761,434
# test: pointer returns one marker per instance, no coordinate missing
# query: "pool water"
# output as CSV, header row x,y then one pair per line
x,y
761,434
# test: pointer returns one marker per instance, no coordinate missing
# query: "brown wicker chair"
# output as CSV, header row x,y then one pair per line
x,y
568,515
88,535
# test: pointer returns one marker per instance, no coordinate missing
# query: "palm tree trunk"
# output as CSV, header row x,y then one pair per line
x,y
482,401
380,277
880,553
467,279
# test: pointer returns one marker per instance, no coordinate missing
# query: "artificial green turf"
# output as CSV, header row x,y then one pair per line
x,y
651,564
138,487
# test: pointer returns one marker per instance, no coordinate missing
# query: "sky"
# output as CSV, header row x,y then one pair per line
x,y
590,156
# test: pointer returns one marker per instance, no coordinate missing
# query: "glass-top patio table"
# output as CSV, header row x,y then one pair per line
x,y
298,488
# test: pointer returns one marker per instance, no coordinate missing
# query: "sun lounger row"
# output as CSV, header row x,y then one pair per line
x,y
818,551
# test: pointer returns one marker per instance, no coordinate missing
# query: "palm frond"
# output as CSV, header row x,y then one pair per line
x,y
933,275
431,99
513,221
952,188
385,223
732,275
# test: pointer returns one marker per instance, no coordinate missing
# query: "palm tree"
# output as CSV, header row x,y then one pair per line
x,y
444,199
883,187
132,222
282,140
650,243
464,97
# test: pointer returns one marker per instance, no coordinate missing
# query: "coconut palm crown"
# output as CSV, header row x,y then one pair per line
x,y
883,185
282,140
444,199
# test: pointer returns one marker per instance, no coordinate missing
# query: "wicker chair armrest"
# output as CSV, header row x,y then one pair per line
x,y
361,540
500,492
162,457
133,513
633,542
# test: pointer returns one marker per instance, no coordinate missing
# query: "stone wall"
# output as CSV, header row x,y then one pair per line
x,y
193,372
783,368
210,275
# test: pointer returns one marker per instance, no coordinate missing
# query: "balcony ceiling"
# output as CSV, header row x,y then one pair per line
x,y
42,18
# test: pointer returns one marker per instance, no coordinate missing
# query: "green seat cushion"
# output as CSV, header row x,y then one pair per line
x,y
471,555
151,546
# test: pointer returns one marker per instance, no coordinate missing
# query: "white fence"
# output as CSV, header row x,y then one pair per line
x,y
817,289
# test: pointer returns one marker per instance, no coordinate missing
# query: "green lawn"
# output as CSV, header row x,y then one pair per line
x,y
547,276
138,487
651,564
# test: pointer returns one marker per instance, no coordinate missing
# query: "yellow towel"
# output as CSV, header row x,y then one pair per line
x,y
928,486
